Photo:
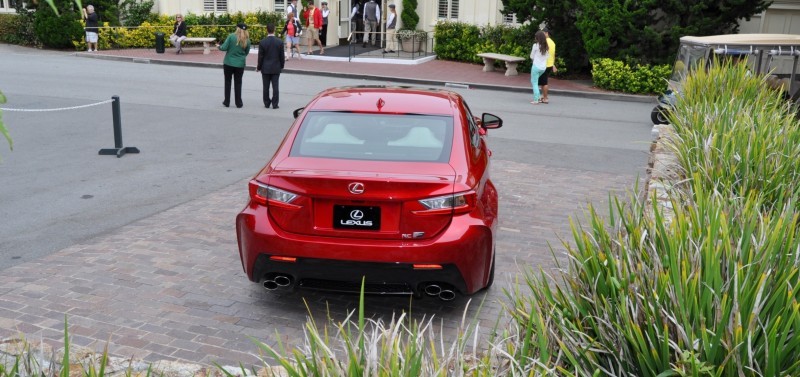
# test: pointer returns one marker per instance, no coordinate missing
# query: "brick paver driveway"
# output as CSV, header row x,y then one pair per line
x,y
171,286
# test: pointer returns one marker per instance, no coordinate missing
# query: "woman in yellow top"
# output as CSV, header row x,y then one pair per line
x,y
551,66
236,48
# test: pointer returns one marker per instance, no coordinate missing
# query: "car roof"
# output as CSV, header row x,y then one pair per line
x,y
745,40
387,99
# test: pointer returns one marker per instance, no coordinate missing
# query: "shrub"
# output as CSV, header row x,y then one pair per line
x,y
620,76
460,41
197,26
456,41
9,24
135,12
20,27
57,31
409,16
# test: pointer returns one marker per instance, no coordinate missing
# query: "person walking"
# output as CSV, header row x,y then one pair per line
x,y
91,27
236,48
539,55
323,31
357,21
391,25
270,64
551,66
292,30
372,14
293,8
313,23
178,33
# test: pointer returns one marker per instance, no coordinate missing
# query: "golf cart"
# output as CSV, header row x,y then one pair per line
x,y
766,54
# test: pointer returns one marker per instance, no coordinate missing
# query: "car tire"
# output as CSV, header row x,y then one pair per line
x,y
658,116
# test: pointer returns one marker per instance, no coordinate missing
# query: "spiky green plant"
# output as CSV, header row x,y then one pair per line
x,y
711,290
737,135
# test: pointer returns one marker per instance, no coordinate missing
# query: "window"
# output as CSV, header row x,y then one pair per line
x,y
510,19
448,9
215,6
375,137
280,6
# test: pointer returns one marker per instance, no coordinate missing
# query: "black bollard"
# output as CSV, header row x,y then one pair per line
x,y
118,149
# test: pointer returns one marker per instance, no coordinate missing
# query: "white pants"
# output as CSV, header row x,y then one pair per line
x,y
176,41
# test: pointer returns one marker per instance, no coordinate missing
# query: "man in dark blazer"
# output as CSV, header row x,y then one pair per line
x,y
270,64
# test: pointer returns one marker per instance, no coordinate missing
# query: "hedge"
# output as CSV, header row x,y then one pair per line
x,y
217,27
623,77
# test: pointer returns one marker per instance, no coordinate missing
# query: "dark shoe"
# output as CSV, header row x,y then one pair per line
x,y
268,104
226,104
239,106
384,52
364,45
391,51
275,107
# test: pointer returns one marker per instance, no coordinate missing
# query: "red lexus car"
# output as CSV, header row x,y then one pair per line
x,y
386,183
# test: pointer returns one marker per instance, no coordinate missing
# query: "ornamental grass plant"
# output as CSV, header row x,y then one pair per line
x,y
711,290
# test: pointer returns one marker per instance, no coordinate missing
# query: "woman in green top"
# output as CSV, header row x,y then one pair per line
x,y
236,48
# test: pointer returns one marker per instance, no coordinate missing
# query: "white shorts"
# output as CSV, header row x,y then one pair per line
x,y
91,37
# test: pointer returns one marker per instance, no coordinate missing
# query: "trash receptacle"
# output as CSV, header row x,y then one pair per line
x,y
160,42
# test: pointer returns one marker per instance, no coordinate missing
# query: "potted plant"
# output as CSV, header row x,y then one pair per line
x,y
410,38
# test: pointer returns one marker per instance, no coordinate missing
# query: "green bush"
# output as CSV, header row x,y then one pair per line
x,y
135,12
215,26
409,16
456,41
9,24
620,76
461,41
57,31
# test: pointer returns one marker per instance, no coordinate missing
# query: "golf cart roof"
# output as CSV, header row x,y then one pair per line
x,y
744,40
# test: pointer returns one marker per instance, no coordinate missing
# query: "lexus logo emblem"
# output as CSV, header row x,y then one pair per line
x,y
356,214
356,188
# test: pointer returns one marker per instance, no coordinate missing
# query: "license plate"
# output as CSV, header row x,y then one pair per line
x,y
356,217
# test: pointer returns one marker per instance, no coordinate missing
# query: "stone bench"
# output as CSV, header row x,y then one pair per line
x,y
207,41
511,62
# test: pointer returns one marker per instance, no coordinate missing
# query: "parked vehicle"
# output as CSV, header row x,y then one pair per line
x,y
775,55
390,184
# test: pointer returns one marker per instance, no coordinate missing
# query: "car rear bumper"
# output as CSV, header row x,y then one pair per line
x,y
464,250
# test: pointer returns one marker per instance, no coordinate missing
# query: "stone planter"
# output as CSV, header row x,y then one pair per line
x,y
412,44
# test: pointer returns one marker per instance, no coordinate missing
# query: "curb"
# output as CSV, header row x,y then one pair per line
x,y
611,96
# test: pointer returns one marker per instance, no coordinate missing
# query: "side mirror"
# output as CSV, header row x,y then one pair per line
x,y
297,112
491,121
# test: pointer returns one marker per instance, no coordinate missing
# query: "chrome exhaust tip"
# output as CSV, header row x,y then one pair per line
x,y
447,295
432,290
283,280
270,285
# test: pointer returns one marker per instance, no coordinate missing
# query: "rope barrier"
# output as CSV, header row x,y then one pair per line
x,y
58,109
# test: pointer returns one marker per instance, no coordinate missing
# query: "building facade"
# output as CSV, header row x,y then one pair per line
x,y
782,17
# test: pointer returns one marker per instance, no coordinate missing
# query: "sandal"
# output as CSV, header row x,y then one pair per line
x,y
544,101
535,102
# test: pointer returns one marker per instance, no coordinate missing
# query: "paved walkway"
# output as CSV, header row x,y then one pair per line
x,y
431,72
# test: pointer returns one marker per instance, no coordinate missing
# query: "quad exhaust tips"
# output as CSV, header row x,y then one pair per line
x,y
443,291
277,281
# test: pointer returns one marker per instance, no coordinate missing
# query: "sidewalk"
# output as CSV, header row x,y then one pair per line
x,y
431,72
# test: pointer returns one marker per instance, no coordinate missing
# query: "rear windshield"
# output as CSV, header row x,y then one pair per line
x,y
376,137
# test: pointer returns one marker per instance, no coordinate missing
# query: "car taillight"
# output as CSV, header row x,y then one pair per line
x,y
261,193
458,203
